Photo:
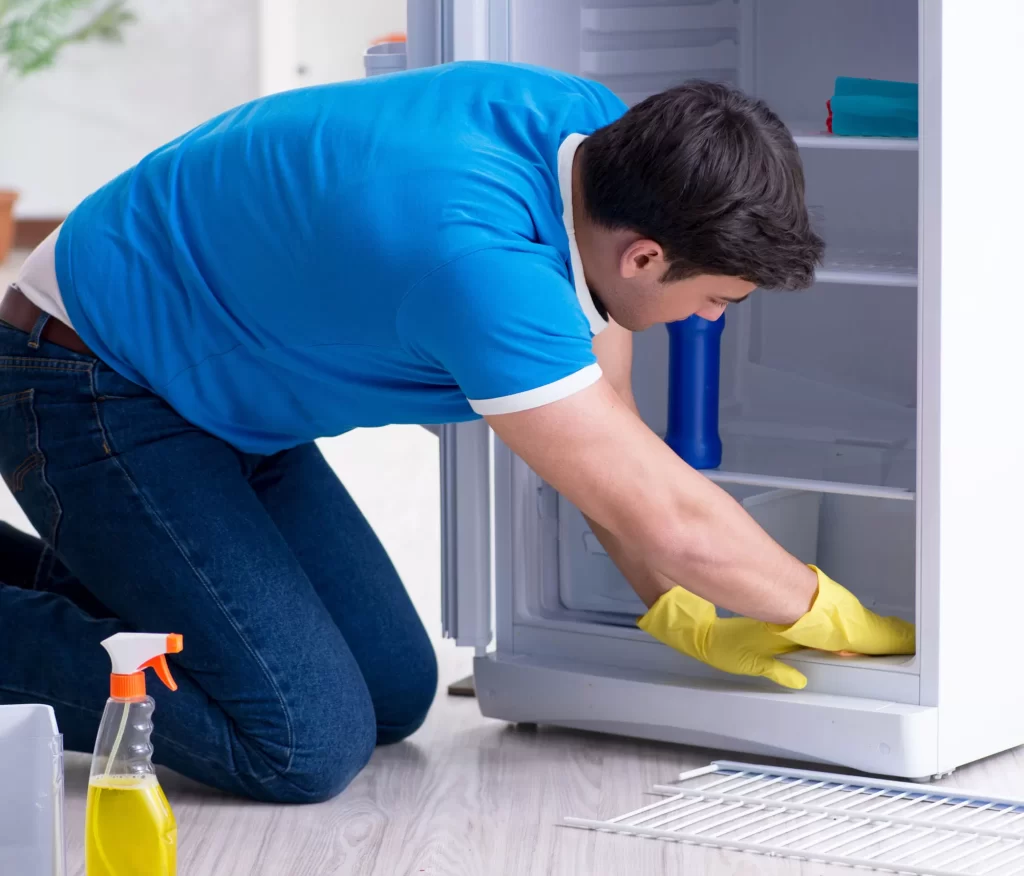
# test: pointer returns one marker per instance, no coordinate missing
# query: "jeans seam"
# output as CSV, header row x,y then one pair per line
x,y
104,437
51,542
163,740
44,567
34,448
35,695
268,675
29,363
15,397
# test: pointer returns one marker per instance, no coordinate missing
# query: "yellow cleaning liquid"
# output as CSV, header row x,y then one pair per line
x,y
129,828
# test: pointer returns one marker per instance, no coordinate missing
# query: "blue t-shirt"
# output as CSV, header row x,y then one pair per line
x,y
392,250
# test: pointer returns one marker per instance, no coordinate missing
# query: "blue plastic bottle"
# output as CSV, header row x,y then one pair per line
x,y
694,359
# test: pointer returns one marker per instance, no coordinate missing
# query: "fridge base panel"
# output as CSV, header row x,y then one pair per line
x,y
873,736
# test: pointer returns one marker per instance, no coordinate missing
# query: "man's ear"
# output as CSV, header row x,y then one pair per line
x,y
640,257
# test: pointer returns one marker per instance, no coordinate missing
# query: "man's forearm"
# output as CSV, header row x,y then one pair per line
x,y
647,583
767,584
680,527
709,544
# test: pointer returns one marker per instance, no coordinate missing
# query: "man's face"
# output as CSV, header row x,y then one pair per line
x,y
705,295
639,301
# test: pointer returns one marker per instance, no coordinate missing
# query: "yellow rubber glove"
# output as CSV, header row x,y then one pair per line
x,y
838,622
738,645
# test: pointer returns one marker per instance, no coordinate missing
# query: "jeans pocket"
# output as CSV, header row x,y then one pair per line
x,y
23,465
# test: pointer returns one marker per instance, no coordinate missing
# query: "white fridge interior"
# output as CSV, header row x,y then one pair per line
x,y
819,388
879,391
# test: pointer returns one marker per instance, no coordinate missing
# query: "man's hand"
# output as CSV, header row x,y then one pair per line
x,y
838,622
736,644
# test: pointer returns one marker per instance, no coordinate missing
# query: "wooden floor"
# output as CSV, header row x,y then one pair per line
x,y
466,796
470,797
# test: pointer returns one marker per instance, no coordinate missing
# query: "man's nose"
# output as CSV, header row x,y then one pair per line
x,y
711,312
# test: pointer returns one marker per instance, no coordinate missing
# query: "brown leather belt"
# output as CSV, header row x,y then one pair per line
x,y
17,310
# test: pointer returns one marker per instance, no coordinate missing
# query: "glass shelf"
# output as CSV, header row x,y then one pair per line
x,y
823,466
811,136
864,265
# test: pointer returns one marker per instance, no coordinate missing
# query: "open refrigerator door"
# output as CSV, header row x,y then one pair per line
x,y
466,534
439,31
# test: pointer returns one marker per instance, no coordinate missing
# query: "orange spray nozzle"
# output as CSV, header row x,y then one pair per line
x,y
162,670
131,653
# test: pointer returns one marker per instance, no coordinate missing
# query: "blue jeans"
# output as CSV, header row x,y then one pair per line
x,y
302,648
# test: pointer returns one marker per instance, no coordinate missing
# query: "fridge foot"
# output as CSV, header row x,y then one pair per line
x,y
525,727
464,687
937,777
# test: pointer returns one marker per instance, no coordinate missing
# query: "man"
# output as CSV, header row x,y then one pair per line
x,y
469,240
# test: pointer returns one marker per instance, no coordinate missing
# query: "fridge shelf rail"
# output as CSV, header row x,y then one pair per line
x,y
636,19
814,136
723,55
869,266
811,486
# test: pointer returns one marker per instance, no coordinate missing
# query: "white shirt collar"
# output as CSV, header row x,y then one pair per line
x,y
566,154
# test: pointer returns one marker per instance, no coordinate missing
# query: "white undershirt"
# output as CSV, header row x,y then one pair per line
x,y
38,279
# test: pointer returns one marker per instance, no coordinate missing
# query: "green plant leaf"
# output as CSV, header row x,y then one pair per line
x,y
31,40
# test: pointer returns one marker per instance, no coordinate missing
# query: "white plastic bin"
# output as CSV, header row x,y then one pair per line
x,y
31,792
788,516
387,57
589,580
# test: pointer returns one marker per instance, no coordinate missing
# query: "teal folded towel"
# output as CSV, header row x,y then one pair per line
x,y
873,108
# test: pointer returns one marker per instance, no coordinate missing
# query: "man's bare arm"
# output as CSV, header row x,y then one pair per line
x,y
595,450
614,350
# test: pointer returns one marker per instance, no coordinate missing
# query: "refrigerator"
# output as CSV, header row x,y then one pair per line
x,y
870,423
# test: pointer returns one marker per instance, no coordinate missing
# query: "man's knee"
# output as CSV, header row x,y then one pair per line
x,y
329,751
332,731
334,734
410,701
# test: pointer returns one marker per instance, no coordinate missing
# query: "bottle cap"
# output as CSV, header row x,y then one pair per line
x,y
131,653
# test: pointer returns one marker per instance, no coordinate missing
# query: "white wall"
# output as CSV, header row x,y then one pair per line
x,y
68,130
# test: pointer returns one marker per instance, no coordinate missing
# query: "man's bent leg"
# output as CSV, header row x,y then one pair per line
x,y
20,555
160,524
357,581
24,563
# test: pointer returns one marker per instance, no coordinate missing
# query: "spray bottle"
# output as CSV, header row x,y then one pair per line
x,y
129,826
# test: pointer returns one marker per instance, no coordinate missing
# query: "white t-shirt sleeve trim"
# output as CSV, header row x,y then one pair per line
x,y
542,395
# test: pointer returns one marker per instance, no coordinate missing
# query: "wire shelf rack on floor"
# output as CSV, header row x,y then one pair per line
x,y
823,817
